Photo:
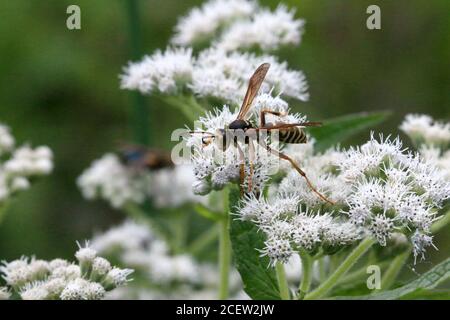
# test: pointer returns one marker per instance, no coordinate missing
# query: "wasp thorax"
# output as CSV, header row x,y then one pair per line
x,y
239,124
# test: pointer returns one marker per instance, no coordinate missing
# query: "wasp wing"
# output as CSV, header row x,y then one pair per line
x,y
253,87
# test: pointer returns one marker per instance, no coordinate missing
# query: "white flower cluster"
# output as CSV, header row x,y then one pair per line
x,y
214,167
110,180
288,227
239,24
202,23
423,129
219,71
265,29
58,279
321,170
213,73
137,246
393,190
379,189
433,139
19,165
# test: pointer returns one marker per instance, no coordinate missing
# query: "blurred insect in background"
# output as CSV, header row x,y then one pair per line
x,y
141,157
287,132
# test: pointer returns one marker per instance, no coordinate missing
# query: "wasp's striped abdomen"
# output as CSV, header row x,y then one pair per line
x,y
293,135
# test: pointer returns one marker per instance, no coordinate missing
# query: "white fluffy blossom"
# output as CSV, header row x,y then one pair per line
x,y
201,23
265,29
220,71
225,76
423,129
438,158
171,275
172,187
213,73
288,227
4,293
379,189
393,190
111,180
34,279
163,72
6,139
18,166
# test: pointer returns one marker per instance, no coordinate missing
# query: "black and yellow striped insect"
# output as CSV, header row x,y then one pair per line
x,y
287,132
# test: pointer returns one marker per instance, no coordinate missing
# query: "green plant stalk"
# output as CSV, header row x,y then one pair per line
x,y
140,114
307,272
188,106
180,231
346,265
224,249
282,281
322,269
359,274
441,223
394,269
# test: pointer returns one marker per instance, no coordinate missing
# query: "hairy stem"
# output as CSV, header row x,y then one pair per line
x,y
307,272
349,261
282,281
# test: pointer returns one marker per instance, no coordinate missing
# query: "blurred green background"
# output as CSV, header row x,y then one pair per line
x,y
60,88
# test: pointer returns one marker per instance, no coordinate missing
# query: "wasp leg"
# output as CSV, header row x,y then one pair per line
x,y
301,172
241,169
262,117
251,151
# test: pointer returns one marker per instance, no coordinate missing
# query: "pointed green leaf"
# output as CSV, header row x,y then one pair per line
x,y
260,281
338,129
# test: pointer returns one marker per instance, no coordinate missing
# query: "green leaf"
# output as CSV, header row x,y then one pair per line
x,y
422,294
427,281
260,281
338,129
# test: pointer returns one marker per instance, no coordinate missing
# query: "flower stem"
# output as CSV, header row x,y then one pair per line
x,y
224,259
282,281
307,271
187,105
224,250
351,259
394,269
322,269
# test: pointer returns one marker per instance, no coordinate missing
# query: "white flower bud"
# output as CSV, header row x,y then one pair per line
x,y
201,187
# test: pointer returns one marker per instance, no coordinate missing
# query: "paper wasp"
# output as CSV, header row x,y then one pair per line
x,y
287,132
